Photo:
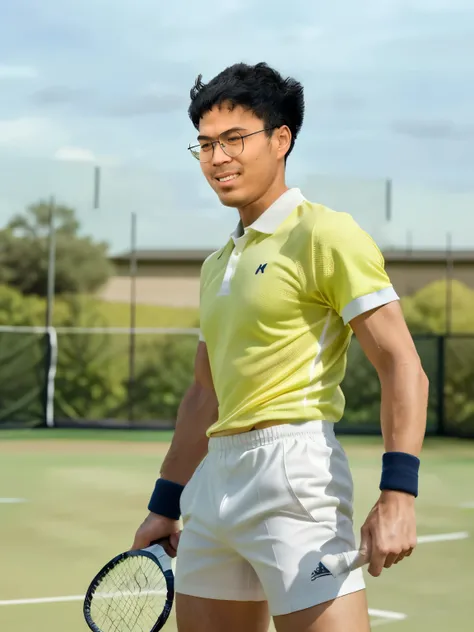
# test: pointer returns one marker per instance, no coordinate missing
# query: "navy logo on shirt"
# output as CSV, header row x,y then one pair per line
x,y
261,268
320,571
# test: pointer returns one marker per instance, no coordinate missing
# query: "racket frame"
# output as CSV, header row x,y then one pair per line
x,y
114,562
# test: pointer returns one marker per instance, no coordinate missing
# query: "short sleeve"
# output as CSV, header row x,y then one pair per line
x,y
349,269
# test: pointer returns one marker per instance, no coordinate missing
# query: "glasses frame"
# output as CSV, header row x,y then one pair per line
x,y
192,148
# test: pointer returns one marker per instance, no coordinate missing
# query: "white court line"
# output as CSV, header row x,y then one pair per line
x,y
6,501
443,537
387,614
382,614
27,602
468,505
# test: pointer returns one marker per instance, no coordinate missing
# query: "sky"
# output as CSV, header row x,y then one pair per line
x,y
389,88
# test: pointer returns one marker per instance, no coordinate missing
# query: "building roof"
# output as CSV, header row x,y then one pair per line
x,y
165,256
428,256
391,256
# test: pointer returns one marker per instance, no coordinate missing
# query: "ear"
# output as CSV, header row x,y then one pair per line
x,y
283,138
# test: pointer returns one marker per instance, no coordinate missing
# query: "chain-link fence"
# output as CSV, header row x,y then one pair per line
x,y
116,378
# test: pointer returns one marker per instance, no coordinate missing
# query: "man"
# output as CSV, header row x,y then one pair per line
x,y
267,488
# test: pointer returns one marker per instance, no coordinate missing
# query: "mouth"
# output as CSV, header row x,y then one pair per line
x,y
227,178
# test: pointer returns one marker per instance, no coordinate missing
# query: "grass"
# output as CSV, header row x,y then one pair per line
x,y
87,493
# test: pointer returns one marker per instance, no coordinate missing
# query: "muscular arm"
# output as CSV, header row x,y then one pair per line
x,y
198,410
389,533
386,341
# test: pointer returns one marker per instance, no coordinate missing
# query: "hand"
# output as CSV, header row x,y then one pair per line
x,y
156,527
389,533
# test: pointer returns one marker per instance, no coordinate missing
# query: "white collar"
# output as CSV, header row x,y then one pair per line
x,y
275,214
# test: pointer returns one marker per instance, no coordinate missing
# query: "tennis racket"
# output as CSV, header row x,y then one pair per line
x,y
134,592
341,563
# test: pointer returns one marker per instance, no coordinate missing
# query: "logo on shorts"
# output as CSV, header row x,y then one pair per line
x,y
261,268
320,571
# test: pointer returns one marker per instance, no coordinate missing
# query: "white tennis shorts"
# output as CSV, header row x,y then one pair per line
x,y
259,513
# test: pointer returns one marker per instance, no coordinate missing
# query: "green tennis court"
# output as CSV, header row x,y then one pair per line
x,y
70,500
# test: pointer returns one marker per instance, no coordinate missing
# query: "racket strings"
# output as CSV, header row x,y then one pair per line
x,y
131,597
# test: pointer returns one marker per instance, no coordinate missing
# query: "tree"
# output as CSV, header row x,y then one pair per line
x,y
81,263
425,311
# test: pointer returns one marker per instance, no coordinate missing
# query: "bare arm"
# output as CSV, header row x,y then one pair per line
x,y
198,410
386,341
389,533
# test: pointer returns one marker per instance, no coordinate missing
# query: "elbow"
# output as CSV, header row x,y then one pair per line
x,y
408,366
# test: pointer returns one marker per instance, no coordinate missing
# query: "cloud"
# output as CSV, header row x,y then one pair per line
x,y
56,95
433,130
8,71
29,132
70,153
149,104
77,154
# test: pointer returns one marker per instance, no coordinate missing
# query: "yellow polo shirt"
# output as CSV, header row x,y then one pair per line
x,y
275,307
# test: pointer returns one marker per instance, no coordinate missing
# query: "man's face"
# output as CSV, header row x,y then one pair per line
x,y
248,175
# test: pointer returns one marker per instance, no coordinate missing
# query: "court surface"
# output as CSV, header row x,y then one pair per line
x,y
70,500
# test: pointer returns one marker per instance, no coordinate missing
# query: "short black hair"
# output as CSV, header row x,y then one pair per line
x,y
260,89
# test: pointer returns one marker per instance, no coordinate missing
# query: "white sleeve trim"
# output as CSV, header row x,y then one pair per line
x,y
201,337
370,301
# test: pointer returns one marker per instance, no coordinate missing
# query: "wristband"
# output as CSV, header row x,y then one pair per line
x,y
400,472
165,499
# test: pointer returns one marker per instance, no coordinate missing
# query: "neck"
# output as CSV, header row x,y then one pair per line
x,y
253,210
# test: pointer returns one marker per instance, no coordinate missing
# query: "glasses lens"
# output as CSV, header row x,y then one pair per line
x,y
232,143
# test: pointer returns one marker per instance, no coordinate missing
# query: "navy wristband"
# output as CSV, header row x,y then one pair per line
x,y
165,498
400,472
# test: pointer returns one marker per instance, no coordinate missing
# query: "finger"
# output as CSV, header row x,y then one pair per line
x,y
174,539
169,550
391,559
377,561
365,547
139,543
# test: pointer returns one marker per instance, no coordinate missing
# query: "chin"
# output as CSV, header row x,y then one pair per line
x,y
231,199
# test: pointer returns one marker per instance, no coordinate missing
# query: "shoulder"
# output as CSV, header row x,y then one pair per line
x,y
338,230
324,222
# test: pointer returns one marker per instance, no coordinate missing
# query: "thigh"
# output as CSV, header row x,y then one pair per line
x,y
208,568
195,614
301,509
344,614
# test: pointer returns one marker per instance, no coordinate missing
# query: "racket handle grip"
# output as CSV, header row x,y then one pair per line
x,y
341,563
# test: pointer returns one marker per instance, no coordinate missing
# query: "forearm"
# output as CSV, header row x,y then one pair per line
x,y
404,405
198,410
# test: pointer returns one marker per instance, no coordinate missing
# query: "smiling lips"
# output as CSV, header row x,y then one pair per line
x,y
225,178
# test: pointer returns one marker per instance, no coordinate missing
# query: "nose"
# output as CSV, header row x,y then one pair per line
x,y
219,156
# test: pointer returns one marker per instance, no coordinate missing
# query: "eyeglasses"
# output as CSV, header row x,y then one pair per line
x,y
231,142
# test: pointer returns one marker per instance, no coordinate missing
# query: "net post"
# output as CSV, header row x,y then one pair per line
x,y
51,367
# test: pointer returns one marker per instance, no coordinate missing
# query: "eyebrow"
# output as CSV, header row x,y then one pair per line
x,y
232,129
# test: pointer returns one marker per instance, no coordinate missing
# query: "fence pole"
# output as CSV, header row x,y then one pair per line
x,y
441,378
388,200
51,264
133,317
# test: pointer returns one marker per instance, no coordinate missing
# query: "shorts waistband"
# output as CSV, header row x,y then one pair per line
x,y
264,436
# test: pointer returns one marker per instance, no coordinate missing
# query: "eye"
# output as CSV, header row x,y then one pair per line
x,y
232,139
206,146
